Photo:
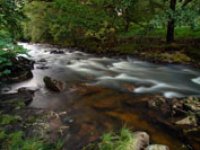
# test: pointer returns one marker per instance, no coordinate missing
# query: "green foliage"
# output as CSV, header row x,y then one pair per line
x,y
111,141
8,119
8,51
63,20
70,21
189,15
36,26
10,16
177,57
16,141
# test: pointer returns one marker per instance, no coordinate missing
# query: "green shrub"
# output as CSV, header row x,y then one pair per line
x,y
17,141
8,51
175,57
111,141
8,119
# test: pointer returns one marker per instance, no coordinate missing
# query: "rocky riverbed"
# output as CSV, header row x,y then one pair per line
x,y
96,110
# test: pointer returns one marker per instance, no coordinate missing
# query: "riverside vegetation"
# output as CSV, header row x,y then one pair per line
x,y
162,31
157,30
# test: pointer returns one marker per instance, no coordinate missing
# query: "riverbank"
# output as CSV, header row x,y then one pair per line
x,y
19,70
182,51
23,127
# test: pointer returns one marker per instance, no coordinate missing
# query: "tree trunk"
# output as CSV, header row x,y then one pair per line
x,y
127,25
171,23
127,20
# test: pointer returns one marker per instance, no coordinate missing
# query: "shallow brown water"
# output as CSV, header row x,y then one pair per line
x,y
99,109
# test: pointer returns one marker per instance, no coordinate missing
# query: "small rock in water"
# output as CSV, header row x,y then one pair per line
x,y
54,85
192,104
129,87
5,89
42,60
25,90
156,103
190,120
140,141
157,147
42,67
57,52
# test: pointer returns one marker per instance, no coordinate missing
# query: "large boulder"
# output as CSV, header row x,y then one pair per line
x,y
25,62
20,69
157,147
53,85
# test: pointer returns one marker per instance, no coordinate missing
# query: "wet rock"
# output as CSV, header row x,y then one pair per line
x,y
129,87
54,85
5,89
190,120
20,70
12,101
25,90
139,142
26,63
42,67
192,104
21,76
161,104
177,108
157,147
42,60
157,102
57,52
26,94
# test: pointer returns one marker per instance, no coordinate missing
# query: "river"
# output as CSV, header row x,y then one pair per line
x,y
122,78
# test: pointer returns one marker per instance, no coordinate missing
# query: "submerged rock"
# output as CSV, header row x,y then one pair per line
x,y
160,103
54,85
157,147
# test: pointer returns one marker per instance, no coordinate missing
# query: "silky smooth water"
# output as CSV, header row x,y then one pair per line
x,y
168,80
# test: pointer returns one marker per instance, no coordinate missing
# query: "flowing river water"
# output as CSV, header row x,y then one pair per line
x,y
120,78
